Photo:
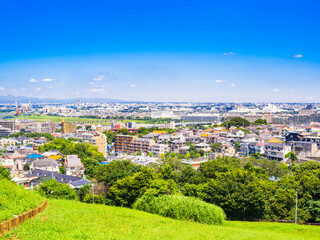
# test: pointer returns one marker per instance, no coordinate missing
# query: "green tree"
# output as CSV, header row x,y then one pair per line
x,y
260,122
4,173
127,190
54,189
116,170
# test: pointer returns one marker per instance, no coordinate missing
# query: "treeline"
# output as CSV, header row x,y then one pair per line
x,y
244,189
48,136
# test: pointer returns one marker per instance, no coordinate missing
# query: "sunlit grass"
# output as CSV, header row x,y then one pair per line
x,y
74,220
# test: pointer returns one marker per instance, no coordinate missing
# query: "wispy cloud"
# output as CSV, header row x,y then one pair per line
x,y
100,78
48,80
51,87
298,56
276,90
229,53
91,83
38,89
96,90
220,81
32,80
1,88
132,85
232,85
14,90
77,92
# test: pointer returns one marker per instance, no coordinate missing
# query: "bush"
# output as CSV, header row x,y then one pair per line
x,y
98,199
181,208
15,200
54,189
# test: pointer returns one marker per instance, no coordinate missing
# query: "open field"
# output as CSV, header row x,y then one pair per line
x,y
46,118
74,220
15,200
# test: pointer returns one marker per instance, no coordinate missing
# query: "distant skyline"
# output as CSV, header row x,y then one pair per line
x,y
198,51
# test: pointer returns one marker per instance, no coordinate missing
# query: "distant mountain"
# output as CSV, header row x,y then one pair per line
x,y
22,99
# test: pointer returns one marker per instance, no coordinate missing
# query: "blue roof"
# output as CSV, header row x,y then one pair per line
x,y
104,163
80,183
61,178
31,156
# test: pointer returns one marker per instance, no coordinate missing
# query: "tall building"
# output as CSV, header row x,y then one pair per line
x,y
8,124
122,143
97,139
68,127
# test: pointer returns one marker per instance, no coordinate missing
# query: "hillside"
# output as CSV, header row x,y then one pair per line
x,y
15,200
74,220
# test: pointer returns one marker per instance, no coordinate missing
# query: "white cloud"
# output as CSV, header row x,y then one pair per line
x,y
298,56
310,98
23,89
1,88
220,81
51,87
14,90
48,80
96,90
276,90
292,90
170,86
32,80
229,53
132,85
91,83
38,89
232,85
77,92
100,78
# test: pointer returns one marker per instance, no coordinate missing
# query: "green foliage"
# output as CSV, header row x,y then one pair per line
x,y
98,199
274,168
181,208
161,186
116,170
291,155
83,191
54,189
48,136
26,167
260,122
126,190
15,200
4,173
215,147
236,122
62,170
123,131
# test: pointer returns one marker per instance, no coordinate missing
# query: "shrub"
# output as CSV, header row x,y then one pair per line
x,y
15,200
181,208
98,199
54,189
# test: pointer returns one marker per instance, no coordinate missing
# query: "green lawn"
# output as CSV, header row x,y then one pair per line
x,y
74,220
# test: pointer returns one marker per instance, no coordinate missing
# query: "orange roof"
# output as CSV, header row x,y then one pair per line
x,y
275,140
209,130
55,157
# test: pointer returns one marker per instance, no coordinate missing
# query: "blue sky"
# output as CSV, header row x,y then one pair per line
x,y
161,50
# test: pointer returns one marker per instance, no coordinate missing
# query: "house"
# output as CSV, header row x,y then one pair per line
x,y
46,164
74,166
37,176
276,149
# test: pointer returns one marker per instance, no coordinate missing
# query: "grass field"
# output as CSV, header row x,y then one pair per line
x,y
15,200
45,118
74,220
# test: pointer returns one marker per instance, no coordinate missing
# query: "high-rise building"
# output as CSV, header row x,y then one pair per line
x,y
68,127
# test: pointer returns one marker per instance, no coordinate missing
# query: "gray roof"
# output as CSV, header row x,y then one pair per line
x,y
61,178
45,162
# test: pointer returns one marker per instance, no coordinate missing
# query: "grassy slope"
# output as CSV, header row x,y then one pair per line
x,y
74,220
15,200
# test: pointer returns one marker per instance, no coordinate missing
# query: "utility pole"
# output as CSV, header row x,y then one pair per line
x,y
93,193
296,213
